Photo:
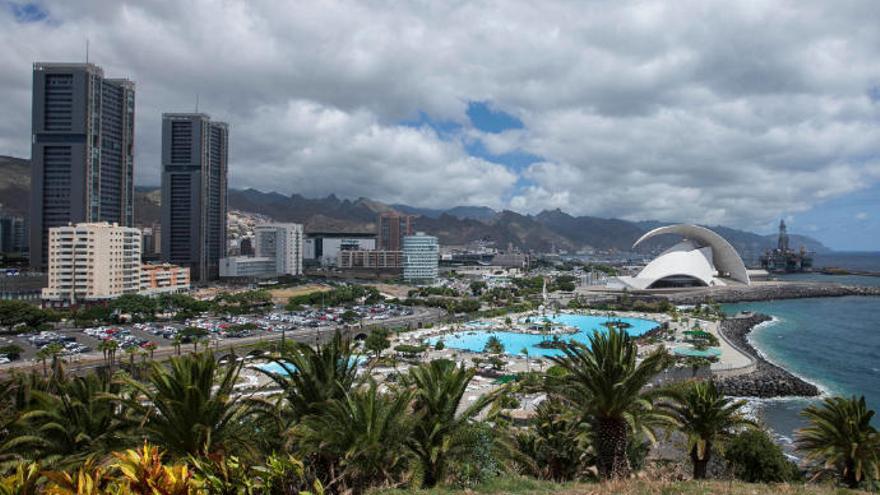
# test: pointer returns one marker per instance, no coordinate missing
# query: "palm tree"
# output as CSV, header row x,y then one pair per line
x,y
150,347
494,346
176,342
131,351
43,355
310,377
607,384
706,416
74,422
108,347
439,387
840,438
189,406
525,352
556,445
364,434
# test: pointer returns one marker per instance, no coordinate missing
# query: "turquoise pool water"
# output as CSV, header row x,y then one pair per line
x,y
690,351
475,340
276,368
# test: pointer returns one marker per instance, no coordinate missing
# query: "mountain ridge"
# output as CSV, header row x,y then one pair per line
x,y
546,231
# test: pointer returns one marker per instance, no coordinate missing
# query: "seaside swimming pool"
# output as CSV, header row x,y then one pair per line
x,y
273,367
475,340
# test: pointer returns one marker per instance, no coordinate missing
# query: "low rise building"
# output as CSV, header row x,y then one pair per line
x,y
421,254
247,267
324,247
369,259
92,262
164,278
18,285
511,260
278,249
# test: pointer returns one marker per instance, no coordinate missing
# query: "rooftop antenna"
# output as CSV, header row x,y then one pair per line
x,y
87,50
197,103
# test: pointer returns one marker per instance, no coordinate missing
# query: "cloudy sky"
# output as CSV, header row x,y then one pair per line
x,y
734,113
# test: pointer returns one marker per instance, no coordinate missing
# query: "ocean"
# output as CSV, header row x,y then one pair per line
x,y
831,342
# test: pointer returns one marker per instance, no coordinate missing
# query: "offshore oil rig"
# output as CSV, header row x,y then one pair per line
x,y
783,259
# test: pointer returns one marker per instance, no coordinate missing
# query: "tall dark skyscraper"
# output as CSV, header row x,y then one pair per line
x,y
82,150
194,163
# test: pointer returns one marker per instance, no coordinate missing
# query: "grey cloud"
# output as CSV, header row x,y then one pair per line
x,y
729,112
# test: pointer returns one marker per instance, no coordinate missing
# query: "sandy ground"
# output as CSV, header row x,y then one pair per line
x,y
395,290
280,296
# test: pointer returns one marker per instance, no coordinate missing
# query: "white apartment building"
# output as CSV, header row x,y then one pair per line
x,y
421,255
284,243
92,262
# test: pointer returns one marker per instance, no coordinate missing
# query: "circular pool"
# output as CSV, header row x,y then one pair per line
x,y
514,342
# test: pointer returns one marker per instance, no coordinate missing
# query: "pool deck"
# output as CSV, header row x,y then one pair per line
x,y
731,362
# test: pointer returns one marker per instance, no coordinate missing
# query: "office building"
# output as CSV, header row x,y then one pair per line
x,y
13,236
420,258
82,151
284,243
279,251
163,278
248,267
324,247
152,246
380,260
392,228
195,153
91,262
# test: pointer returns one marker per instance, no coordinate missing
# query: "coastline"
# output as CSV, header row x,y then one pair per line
x,y
768,380
769,291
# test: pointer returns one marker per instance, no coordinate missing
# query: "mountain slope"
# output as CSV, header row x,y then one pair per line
x,y
15,184
547,231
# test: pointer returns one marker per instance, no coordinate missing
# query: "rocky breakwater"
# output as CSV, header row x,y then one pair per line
x,y
768,380
769,291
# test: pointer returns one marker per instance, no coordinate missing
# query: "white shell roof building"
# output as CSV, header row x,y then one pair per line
x,y
702,259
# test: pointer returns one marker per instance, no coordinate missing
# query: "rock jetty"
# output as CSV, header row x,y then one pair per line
x,y
768,380
771,291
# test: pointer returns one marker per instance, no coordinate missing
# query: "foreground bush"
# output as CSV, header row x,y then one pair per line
x,y
753,456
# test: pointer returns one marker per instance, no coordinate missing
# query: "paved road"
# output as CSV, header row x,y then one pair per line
x,y
91,360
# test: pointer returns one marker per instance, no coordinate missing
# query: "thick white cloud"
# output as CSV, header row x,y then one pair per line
x,y
717,112
308,148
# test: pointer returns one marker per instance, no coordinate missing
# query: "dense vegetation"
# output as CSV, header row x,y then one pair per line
x,y
186,427
340,295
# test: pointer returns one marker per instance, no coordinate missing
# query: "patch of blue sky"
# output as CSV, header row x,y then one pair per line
x,y
487,119
27,12
516,160
848,222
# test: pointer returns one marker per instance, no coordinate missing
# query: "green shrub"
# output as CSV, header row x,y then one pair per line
x,y
752,456
476,462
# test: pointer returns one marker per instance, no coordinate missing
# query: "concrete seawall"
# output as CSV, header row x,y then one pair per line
x,y
769,291
767,380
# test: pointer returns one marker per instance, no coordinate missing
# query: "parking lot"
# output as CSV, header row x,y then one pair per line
x,y
77,341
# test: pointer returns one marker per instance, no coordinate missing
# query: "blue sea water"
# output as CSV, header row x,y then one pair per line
x,y
854,260
831,342
475,340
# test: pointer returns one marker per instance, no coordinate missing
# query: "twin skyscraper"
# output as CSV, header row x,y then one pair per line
x,y
83,135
